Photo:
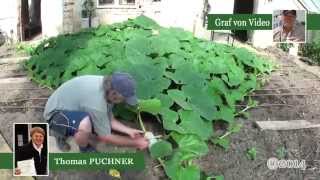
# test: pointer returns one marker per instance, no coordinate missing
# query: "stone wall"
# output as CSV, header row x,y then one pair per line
x,y
52,17
68,15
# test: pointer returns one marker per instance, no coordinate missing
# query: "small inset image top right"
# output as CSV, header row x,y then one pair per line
x,y
289,26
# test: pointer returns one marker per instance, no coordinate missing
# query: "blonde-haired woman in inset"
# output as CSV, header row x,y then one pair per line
x,y
35,149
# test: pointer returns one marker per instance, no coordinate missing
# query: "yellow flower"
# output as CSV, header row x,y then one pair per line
x,y
114,173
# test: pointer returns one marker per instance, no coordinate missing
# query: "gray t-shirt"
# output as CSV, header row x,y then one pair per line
x,y
83,93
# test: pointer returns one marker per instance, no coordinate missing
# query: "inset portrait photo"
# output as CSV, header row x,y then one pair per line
x,y
289,26
30,149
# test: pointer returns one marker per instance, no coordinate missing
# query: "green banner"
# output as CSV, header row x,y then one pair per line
x,y
88,161
6,160
313,21
65,161
239,21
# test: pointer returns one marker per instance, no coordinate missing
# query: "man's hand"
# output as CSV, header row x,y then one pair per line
x,y
141,143
138,142
17,171
134,133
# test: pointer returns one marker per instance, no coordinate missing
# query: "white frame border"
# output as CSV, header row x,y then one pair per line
x,y
14,148
305,27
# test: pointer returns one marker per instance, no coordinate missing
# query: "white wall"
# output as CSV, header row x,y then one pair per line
x,y
221,6
180,13
52,17
167,13
110,16
9,17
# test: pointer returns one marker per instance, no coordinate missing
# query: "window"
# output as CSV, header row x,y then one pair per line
x,y
127,2
117,4
105,2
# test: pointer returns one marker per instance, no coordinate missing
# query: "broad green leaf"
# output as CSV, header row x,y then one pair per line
x,y
180,98
102,30
190,146
235,76
166,101
149,80
217,85
215,65
244,56
90,69
179,33
129,33
181,77
169,119
221,177
145,22
124,112
194,124
248,84
225,113
152,106
175,60
164,43
189,173
173,165
161,149
202,100
137,48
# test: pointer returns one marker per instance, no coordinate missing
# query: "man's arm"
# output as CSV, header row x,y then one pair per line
x,y
118,126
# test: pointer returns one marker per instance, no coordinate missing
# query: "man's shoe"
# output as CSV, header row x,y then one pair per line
x,y
88,148
61,141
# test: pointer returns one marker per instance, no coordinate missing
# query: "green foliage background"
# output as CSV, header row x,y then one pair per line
x,y
197,81
312,49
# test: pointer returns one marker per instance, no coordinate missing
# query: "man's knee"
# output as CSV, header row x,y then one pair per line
x,y
85,124
81,138
84,131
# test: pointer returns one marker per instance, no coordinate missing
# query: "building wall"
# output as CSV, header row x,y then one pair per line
x,y
52,17
104,15
9,18
64,16
114,15
221,6
180,13
166,12
177,13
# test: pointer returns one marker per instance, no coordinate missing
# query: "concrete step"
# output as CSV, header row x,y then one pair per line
x,y
13,60
14,80
11,74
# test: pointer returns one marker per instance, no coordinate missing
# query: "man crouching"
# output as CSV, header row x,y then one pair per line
x,y
82,107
